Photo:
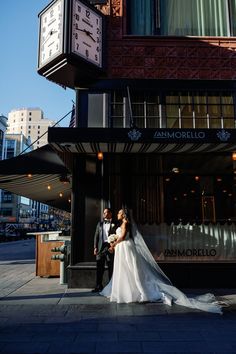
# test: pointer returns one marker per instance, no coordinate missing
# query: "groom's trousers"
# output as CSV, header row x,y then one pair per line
x,y
104,258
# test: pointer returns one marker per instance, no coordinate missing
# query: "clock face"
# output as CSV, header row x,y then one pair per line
x,y
86,40
51,32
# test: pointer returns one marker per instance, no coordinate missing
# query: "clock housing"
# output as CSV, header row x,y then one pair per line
x,y
71,43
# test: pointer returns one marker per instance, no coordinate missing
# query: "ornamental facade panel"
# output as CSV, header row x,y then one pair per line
x,y
163,57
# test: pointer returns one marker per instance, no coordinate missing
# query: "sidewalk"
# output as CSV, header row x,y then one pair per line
x,y
38,315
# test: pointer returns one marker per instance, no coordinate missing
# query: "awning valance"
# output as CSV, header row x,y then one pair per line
x,y
135,140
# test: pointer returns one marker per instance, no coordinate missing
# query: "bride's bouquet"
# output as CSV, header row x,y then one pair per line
x,y
112,238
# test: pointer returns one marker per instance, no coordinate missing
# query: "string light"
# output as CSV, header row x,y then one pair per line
x,y
49,187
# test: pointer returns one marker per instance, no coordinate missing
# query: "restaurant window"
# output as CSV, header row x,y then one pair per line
x,y
184,109
181,17
7,197
145,110
6,212
118,110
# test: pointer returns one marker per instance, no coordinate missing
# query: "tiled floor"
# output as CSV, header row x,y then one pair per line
x,y
38,315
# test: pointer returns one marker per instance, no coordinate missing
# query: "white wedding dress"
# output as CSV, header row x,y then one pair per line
x,y
138,278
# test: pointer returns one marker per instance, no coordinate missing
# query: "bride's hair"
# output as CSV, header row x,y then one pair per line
x,y
128,219
126,214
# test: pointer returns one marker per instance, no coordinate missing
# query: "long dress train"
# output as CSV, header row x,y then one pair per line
x,y
138,278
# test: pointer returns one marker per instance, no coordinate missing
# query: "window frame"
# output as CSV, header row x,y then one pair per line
x,y
157,21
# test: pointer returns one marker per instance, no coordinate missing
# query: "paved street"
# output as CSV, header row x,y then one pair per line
x,y
38,315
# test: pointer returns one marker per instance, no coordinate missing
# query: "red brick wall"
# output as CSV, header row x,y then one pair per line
x,y
208,58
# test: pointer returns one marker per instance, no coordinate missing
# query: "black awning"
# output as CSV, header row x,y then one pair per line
x,y
44,160
30,174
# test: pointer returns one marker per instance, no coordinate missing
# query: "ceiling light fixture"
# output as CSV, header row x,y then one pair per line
x,y
100,155
64,179
234,156
175,169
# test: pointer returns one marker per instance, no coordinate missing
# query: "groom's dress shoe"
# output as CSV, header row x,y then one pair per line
x,y
97,289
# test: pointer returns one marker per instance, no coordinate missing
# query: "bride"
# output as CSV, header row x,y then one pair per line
x,y
138,278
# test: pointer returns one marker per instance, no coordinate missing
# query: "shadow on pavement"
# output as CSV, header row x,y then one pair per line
x,y
18,262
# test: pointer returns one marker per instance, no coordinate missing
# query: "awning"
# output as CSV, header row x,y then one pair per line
x,y
136,140
37,175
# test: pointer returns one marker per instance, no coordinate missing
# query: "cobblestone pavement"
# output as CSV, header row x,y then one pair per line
x,y
38,315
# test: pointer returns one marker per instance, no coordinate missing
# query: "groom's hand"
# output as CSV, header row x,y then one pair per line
x,y
95,251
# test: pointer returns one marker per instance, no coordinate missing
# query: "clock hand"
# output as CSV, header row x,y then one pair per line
x,y
49,35
87,33
90,35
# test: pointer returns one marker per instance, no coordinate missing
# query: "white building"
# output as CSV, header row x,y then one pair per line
x,y
31,123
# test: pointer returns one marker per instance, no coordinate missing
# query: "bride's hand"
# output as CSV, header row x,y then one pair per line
x,y
111,249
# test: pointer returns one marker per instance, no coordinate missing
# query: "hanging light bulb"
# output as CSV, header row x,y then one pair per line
x,y
234,156
100,155
49,187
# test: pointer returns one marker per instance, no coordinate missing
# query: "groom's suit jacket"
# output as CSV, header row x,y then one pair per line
x,y
98,236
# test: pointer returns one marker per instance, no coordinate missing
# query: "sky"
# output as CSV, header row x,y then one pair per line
x,y
20,84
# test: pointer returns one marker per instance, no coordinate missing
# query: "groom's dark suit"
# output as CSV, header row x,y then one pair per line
x,y
103,256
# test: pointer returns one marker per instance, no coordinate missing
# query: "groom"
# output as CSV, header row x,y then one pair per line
x,y
104,228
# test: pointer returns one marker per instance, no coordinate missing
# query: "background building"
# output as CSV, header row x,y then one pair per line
x,y
31,123
26,130
13,206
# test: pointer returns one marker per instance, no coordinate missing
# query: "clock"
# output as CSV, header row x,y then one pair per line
x,y
70,50
51,32
87,33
